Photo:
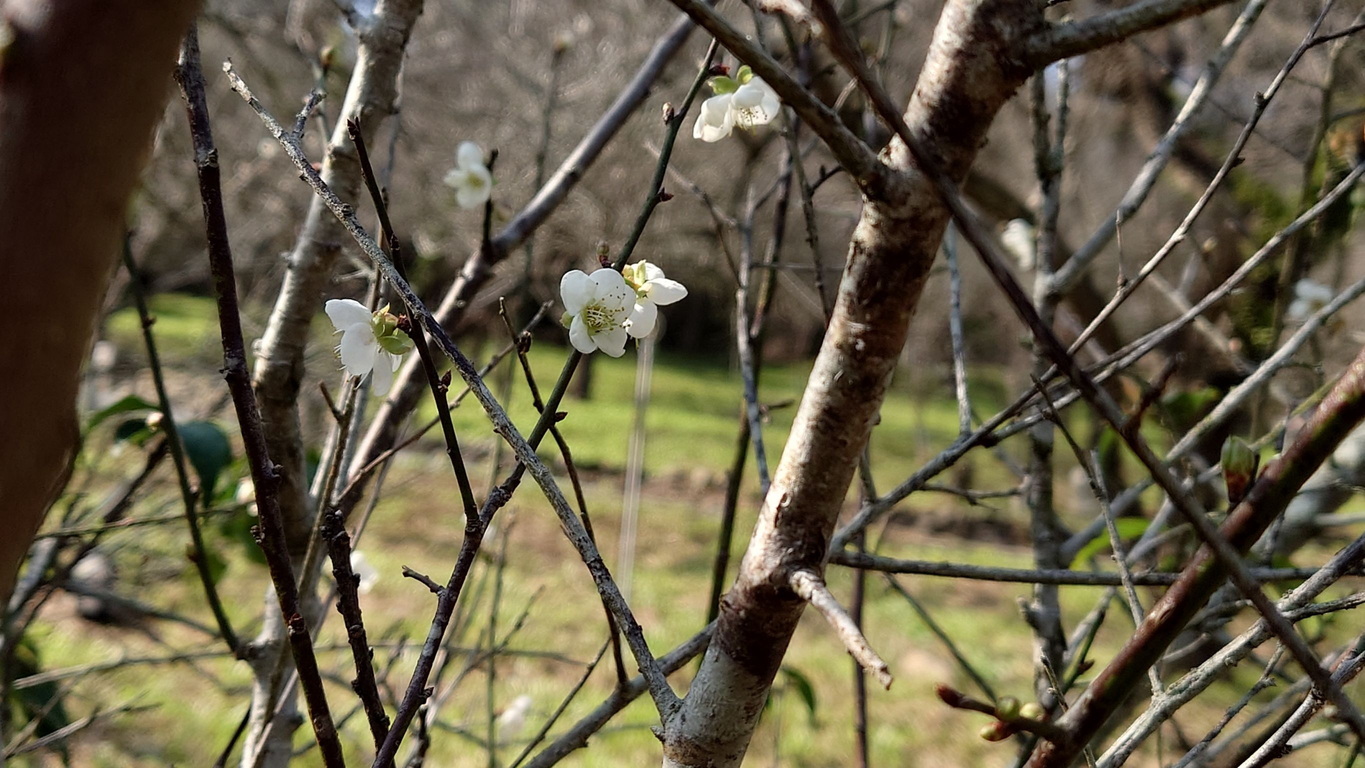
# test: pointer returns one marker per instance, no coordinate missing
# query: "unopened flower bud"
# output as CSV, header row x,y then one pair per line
x,y
1033,711
949,695
1007,708
1240,463
996,731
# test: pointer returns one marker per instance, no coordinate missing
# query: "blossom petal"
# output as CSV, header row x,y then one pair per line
x,y
476,188
382,378
652,271
579,336
664,291
345,313
612,342
576,289
749,95
642,321
608,281
771,105
715,120
358,349
469,156
755,103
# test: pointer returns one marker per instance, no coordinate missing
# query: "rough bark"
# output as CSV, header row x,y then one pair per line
x,y
970,72
371,98
81,86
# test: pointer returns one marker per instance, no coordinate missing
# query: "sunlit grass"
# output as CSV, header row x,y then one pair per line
x,y
691,423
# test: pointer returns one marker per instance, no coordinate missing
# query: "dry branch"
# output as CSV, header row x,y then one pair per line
x,y
811,587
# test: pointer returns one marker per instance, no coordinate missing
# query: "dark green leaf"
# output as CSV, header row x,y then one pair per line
x,y
133,431
126,405
803,687
209,452
237,527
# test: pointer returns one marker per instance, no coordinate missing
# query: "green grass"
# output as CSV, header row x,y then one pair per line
x,y
193,706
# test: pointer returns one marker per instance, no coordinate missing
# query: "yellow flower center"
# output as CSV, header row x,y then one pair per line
x,y
601,318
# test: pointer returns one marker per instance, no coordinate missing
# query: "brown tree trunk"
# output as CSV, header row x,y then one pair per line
x,y
970,73
82,84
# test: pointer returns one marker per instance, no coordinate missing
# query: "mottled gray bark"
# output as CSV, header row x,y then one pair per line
x,y
371,97
972,69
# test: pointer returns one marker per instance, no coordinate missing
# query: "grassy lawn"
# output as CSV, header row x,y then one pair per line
x,y
533,594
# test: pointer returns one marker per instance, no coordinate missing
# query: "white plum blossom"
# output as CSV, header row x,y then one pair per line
x,y
370,341
605,308
652,290
1019,241
513,718
744,101
1309,297
364,571
597,307
470,177
245,495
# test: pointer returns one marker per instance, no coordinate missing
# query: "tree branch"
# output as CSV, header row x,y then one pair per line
x,y
270,533
1073,38
811,587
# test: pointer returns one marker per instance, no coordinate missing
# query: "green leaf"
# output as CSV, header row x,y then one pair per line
x,y
802,685
1184,409
134,430
1129,528
722,84
744,74
126,405
209,452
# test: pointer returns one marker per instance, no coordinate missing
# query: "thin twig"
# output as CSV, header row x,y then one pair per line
x,y
188,496
812,589
853,559
264,474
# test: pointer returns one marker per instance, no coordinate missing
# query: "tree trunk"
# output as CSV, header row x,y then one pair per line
x,y
82,84
371,97
972,69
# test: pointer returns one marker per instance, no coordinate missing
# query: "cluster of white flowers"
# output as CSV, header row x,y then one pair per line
x,y
471,179
743,101
370,341
605,308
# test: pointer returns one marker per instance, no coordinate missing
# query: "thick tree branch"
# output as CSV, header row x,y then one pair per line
x,y
970,73
1073,38
370,99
